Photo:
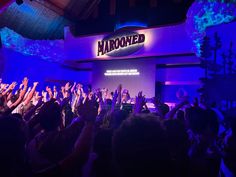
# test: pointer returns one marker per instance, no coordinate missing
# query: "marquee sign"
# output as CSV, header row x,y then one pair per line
x,y
121,43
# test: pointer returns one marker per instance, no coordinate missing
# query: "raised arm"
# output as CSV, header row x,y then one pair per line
x,y
27,93
157,103
44,95
9,89
55,93
73,88
119,89
22,94
172,112
63,91
67,90
140,101
114,100
49,91
82,146
78,97
31,93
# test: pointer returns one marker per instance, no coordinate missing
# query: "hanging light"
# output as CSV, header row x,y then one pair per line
x,y
19,2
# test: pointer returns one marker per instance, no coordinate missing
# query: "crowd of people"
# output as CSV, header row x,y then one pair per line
x,y
99,133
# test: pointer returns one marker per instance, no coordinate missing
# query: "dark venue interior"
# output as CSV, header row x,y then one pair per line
x,y
117,88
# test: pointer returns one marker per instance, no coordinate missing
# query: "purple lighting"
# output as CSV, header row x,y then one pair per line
x,y
45,49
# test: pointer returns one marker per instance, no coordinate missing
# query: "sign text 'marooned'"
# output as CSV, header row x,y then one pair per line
x,y
107,46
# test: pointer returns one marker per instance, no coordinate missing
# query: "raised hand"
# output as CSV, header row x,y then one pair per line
x,y
49,90
1,86
12,86
114,100
25,82
55,92
4,86
119,88
140,101
62,89
99,94
21,86
37,96
115,95
156,101
185,100
37,99
73,87
35,84
79,86
67,86
79,91
182,94
88,110
54,88
44,94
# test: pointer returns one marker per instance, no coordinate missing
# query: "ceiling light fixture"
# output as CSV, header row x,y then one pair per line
x,y
19,2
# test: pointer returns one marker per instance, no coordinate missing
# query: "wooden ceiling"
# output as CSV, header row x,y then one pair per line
x,y
44,19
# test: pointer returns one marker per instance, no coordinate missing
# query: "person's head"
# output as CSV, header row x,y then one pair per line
x,y
2,101
17,116
67,94
177,136
193,115
140,148
180,115
231,120
117,117
102,142
125,95
90,95
146,111
67,116
164,108
233,124
14,98
175,129
104,92
50,116
202,121
112,94
12,140
108,102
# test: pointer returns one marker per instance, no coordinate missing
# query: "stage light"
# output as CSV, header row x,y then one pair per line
x,y
134,24
19,2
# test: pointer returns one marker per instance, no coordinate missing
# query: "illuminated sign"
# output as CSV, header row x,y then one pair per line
x,y
123,72
121,43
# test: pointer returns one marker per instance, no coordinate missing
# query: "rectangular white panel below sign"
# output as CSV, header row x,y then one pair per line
x,y
122,72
